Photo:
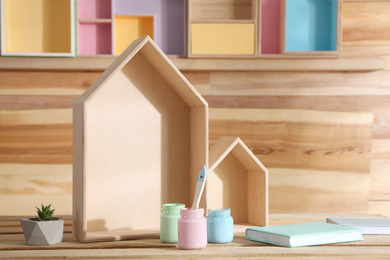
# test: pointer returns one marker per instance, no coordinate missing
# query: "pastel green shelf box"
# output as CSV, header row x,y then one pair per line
x,y
311,26
37,28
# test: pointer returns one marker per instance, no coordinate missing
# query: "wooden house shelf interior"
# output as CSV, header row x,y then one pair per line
x,y
239,181
140,139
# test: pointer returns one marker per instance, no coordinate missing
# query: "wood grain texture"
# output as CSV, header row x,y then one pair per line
x,y
28,102
36,144
24,186
45,82
365,51
305,150
299,138
377,105
366,23
222,9
301,191
249,252
273,63
99,63
380,179
35,117
294,83
380,169
379,207
50,179
12,245
368,51
280,64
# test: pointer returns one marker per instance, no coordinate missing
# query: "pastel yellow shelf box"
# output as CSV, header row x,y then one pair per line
x,y
37,28
223,39
128,28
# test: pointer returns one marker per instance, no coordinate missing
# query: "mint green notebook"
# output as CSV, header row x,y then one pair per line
x,y
305,234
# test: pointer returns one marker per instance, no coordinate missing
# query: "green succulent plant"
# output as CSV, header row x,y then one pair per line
x,y
45,213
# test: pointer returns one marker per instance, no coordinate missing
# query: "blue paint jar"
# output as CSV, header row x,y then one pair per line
x,y
219,226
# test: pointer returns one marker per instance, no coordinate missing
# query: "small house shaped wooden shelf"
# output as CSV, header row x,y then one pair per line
x,y
37,28
140,139
239,181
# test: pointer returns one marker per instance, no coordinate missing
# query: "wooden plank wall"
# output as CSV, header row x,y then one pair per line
x,y
367,33
324,136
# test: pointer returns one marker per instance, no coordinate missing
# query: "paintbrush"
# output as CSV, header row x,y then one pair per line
x,y
199,187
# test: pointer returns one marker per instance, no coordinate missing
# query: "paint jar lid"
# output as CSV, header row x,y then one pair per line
x,y
173,207
223,211
192,213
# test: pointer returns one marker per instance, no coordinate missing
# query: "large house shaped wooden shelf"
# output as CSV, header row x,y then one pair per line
x,y
140,139
239,181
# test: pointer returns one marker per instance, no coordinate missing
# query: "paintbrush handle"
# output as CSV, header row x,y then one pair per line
x,y
198,194
199,187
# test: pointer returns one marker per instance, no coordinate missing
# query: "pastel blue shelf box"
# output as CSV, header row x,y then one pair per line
x,y
311,25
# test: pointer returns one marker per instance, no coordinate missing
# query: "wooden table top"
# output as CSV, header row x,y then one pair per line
x,y
13,245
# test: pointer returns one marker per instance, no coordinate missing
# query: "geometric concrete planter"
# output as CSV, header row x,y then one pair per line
x,y
43,232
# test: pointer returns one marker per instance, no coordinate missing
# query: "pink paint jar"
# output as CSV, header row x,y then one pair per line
x,y
192,228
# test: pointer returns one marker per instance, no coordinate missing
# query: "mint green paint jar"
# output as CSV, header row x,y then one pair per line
x,y
168,222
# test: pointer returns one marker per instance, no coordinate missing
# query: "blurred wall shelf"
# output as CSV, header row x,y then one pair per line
x,y
37,28
254,28
47,28
100,63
